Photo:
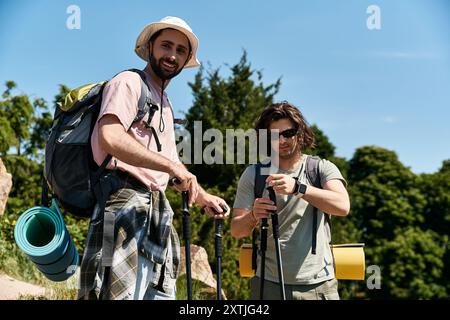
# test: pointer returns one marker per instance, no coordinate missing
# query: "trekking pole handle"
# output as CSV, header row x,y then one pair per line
x,y
218,234
272,195
274,214
174,181
184,195
185,198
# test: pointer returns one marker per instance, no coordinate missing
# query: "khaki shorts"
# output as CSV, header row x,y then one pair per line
x,y
327,290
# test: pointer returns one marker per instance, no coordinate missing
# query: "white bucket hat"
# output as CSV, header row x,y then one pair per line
x,y
143,39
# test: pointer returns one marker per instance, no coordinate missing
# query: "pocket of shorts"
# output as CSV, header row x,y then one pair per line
x,y
329,290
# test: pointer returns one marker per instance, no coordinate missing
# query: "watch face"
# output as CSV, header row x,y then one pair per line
x,y
302,188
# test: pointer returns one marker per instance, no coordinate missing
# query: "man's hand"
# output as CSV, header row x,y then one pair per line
x,y
262,208
187,182
281,183
210,203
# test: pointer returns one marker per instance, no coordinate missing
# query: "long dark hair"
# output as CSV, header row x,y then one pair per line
x,y
285,110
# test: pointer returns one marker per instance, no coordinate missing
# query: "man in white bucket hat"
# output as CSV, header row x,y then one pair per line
x,y
146,250
143,41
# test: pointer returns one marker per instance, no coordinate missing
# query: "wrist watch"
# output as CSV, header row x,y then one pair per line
x,y
299,188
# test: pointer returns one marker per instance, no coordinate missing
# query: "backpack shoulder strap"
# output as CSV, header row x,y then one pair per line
x,y
146,105
312,171
313,176
146,102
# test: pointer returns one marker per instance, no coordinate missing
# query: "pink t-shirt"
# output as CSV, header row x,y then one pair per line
x,y
120,98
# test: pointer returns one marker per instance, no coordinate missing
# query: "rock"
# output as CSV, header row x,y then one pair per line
x,y
200,268
12,289
5,186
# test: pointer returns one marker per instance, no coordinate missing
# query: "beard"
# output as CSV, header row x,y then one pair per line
x,y
160,71
290,152
287,154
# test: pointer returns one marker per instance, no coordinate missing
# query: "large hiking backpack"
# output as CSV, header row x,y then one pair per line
x,y
70,170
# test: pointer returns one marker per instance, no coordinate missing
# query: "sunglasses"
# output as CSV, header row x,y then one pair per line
x,y
289,133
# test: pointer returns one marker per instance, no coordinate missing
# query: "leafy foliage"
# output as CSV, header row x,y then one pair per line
x,y
389,206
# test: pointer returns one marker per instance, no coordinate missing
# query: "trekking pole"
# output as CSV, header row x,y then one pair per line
x,y
186,237
264,227
218,250
276,237
187,242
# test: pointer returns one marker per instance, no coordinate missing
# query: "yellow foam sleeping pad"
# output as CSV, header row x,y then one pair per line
x,y
349,261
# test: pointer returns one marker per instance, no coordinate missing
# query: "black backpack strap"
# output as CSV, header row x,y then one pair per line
x,y
146,105
102,194
44,194
313,176
312,171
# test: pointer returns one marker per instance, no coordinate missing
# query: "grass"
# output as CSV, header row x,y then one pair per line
x,y
16,264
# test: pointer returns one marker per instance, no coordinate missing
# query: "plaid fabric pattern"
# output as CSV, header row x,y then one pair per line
x,y
143,226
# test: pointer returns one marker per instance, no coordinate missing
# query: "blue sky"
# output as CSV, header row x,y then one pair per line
x,y
387,87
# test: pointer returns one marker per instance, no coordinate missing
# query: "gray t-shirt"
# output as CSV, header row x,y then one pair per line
x,y
295,217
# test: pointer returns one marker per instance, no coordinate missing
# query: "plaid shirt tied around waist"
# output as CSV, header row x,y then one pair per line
x,y
142,224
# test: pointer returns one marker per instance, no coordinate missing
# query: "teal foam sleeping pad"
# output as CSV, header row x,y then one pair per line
x,y
41,233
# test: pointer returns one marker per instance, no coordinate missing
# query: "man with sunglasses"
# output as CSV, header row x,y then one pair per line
x,y
308,272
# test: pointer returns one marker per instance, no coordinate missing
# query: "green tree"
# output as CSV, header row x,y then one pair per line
x,y
16,119
18,110
412,264
25,139
384,192
436,188
389,207
41,125
326,150
323,147
24,129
